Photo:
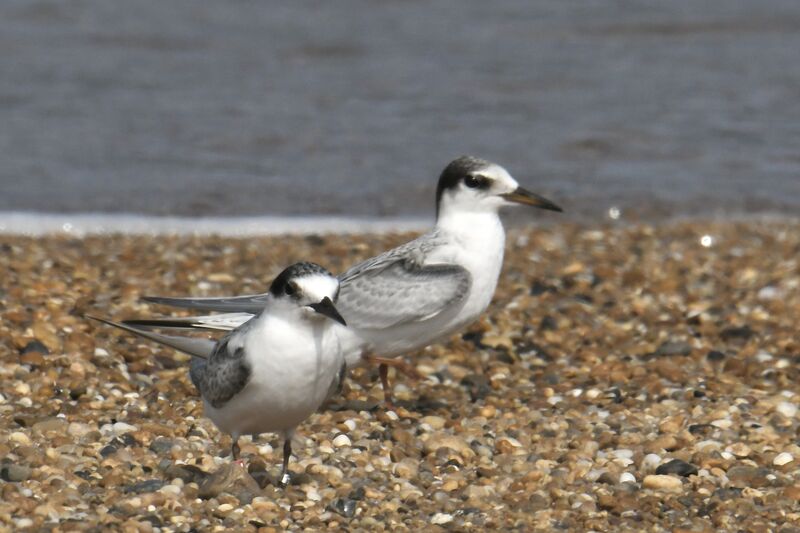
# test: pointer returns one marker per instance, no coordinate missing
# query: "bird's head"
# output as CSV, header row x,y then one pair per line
x,y
309,287
470,184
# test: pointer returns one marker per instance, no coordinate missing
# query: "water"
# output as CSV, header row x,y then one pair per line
x,y
254,108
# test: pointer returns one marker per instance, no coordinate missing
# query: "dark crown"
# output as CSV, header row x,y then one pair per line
x,y
297,270
455,172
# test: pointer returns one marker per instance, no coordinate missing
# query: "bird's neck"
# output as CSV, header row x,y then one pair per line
x,y
481,229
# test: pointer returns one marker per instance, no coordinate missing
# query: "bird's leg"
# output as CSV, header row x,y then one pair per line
x,y
287,453
383,371
235,450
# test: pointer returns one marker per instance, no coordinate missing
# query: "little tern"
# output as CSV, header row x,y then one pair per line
x,y
274,370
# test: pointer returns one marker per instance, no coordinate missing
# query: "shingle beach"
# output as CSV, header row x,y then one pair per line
x,y
626,378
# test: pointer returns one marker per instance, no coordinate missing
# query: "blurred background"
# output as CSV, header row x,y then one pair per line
x,y
196,108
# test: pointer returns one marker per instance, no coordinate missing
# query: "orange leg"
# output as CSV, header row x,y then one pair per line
x,y
383,371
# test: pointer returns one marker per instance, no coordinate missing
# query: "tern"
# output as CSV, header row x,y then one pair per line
x,y
273,371
413,295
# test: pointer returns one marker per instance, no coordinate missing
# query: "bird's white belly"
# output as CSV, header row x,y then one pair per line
x,y
288,383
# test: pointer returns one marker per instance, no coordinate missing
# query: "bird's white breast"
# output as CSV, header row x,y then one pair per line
x,y
292,364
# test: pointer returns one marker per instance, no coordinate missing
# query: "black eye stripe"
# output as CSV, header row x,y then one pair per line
x,y
476,181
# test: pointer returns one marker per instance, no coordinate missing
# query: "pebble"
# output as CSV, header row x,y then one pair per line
x,y
434,422
748,476
407,468
782,459
443,440
678,467
739,449
440,519
650,462
14,473
722,423
341,440
662,482
20,438
787,409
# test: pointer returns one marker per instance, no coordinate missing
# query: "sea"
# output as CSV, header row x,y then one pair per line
x,y
256,116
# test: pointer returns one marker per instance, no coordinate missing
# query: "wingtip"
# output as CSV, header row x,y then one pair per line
x,y
97,318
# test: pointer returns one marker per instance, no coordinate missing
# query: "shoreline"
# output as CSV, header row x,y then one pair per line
x,y
34,224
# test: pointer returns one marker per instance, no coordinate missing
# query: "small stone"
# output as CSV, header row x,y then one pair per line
x,y
792,493
435,422
344,507
230,478
739,449
20,438
23,523
508,445
678,467
782,459
120,428
341,440
443,440
78,429
787,409
50,424
672,424
741,333
663,482
748,476
406,469
722,423
671,348
14,473
148,485
439,519
161,446
650,462
108,450
186,473
627,477
35,346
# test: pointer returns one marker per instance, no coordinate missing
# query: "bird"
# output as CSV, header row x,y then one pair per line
x,y
413,295
274,370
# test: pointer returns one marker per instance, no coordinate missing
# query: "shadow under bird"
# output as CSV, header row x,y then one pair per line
x,y
273,371
408,297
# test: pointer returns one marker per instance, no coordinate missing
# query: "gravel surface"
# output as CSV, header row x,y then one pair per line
x,y
631,378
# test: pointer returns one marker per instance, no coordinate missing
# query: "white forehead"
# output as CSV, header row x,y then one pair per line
x,y
499,174
318,286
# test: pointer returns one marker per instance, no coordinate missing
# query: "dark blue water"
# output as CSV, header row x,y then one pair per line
x,y
193,107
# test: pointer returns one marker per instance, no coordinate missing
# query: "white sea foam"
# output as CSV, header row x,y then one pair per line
x,y
81,224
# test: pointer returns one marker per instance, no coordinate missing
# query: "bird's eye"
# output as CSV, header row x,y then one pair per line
x,y
290,289
475,182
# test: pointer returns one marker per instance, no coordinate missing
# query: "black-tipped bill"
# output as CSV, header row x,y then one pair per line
x,y
526,197
326,307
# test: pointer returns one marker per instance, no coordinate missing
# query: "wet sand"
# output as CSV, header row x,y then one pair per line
x,y
625,378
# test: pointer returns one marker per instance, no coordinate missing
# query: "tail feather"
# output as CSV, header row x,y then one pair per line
x,y
202,348
221,322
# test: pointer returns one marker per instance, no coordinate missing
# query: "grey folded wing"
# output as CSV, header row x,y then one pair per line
x,y
223,375
399,291
253,303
